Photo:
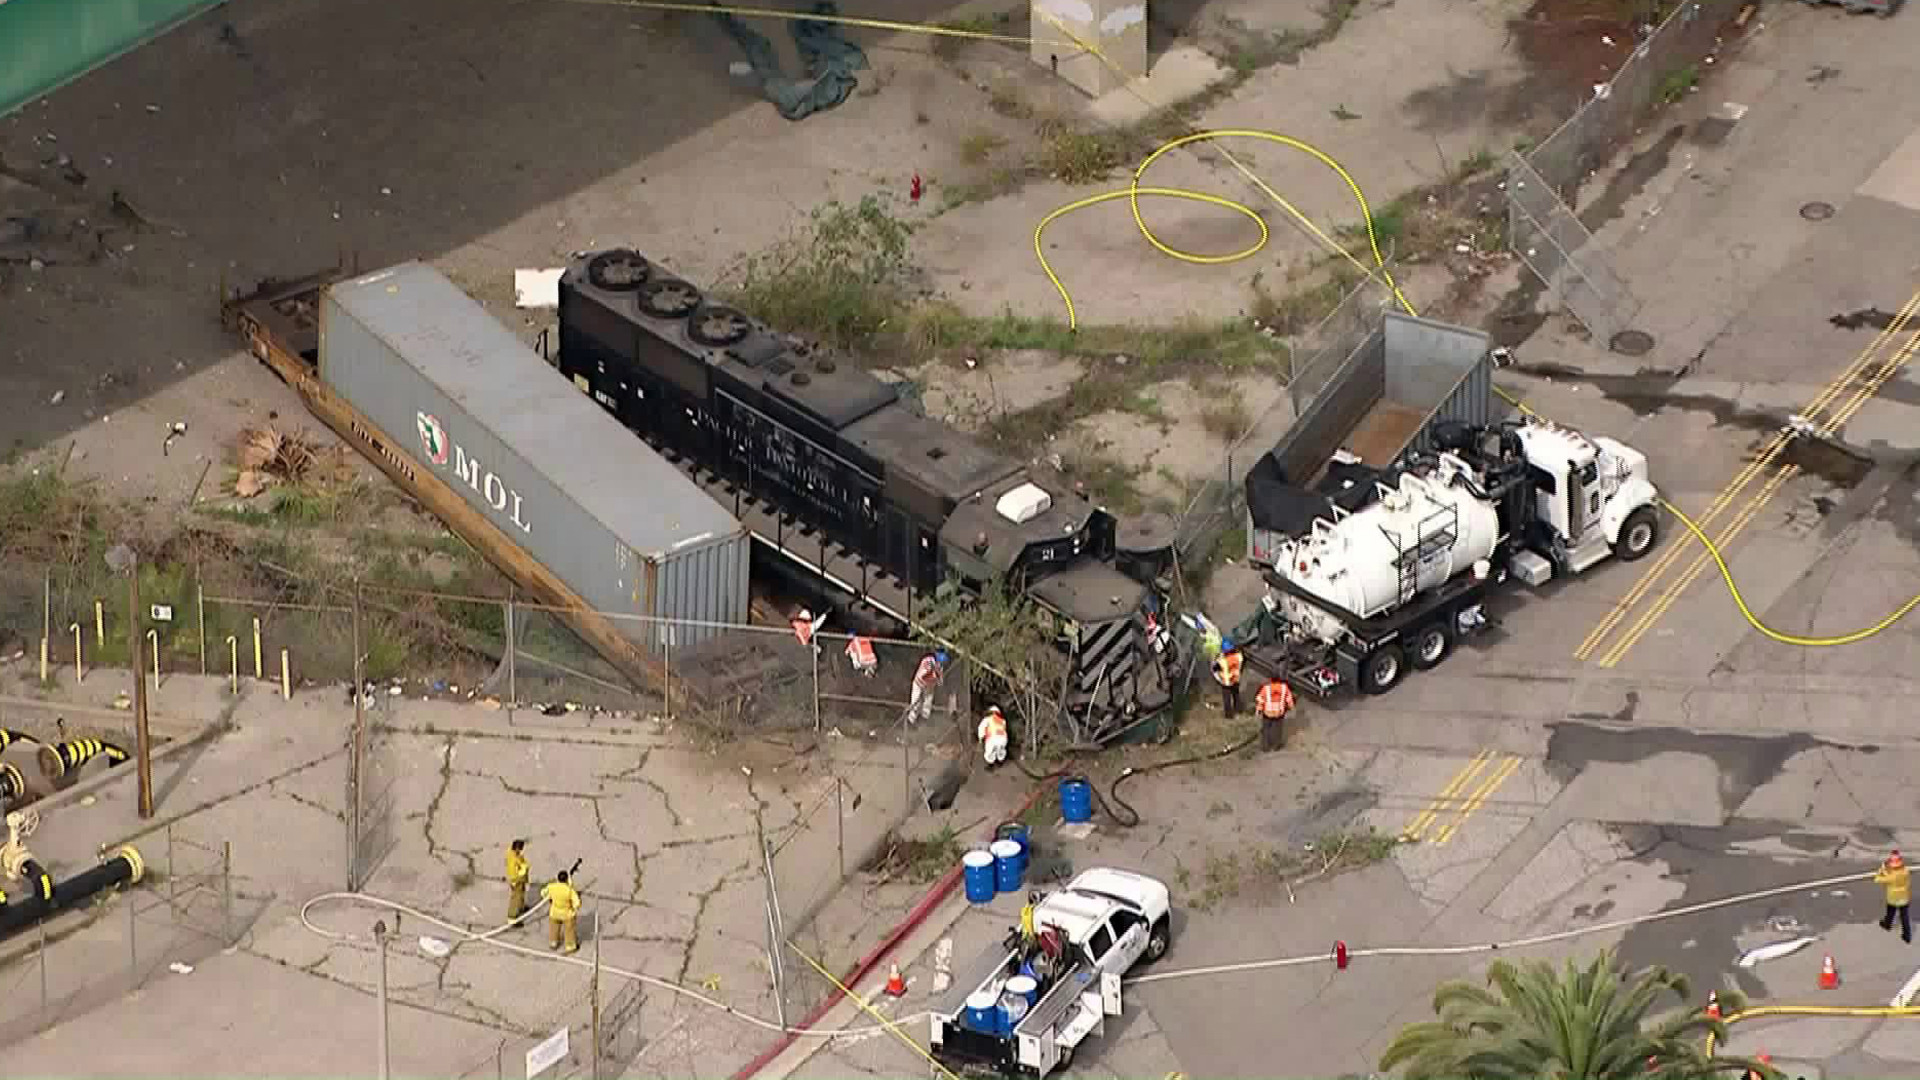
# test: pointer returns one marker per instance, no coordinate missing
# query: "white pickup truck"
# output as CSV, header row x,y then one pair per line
x,y
1088,935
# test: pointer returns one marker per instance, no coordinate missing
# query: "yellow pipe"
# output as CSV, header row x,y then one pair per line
x,y
258,672
44,674
154,636
1759,1011
79,673
99,623
233,653
286,681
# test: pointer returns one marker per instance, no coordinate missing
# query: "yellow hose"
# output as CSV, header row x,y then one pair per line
x,y
1811,1010
1135,190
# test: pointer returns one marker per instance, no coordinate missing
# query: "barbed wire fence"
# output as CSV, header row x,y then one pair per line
x,y
1543,184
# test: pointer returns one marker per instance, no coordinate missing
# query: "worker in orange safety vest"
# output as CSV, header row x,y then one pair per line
x,y
806,624
860,654
1894,876
1273,703
1226,672
993,736
925,678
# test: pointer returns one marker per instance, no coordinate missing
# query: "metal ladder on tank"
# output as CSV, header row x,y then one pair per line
x,y
1437,532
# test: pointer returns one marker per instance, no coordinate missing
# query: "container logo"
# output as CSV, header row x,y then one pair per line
x,y
433,438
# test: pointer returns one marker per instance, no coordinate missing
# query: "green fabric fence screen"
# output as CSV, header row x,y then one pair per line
x,y
45,44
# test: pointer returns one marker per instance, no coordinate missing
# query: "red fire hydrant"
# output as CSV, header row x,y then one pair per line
x,y
913,190
1340,955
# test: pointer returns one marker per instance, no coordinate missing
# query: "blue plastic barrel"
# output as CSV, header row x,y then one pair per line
x,y
1076,800
1017,833
978,870
1006,865
982,1012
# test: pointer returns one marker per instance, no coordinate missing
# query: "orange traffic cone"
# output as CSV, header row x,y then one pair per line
x,y
896,986
1713,1004
1829,975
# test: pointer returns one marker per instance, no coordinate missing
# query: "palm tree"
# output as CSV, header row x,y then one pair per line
x,y
1531,1022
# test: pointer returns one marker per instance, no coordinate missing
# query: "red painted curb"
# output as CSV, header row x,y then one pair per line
x,y
935,896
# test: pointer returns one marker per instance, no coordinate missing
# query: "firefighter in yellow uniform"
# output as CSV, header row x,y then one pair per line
x,y
1893,876
563,907
517,870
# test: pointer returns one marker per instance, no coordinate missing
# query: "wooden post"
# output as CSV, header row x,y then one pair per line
x,y
143,740
286,681
258,671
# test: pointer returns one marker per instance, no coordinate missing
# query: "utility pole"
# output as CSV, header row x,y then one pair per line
x,y
354,762
596,995
380,938
143,740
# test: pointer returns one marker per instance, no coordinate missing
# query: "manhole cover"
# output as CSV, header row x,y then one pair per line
x,y
1632,343
1817,211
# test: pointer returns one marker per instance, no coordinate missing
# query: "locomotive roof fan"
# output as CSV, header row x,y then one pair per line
x,y
717,326
668,298
619,270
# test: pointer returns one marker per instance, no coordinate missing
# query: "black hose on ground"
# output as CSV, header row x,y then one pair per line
x,y
1131,816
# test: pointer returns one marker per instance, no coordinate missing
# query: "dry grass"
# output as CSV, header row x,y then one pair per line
x,y
1226,419
978,146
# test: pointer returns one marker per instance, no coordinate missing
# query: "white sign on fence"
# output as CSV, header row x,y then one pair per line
x,y
550,1050
162,612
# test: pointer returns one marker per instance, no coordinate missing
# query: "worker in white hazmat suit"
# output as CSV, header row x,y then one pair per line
x,y
993,737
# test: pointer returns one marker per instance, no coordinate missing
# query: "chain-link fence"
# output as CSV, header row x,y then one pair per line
x,y
596,1035
900,759
1217,508
1543,186
182,911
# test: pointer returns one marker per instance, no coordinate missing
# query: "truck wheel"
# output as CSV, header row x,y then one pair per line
x,y
1431,644
1638,534
1383,669
1157,941
1066,1059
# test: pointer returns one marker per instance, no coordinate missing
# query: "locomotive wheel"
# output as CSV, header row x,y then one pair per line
x,y
619,270
1431,644
717,325
1383,669
1638,534
669,299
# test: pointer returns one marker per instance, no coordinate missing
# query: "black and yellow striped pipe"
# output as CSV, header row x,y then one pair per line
x,y
12,783
8,737
57,759
42,896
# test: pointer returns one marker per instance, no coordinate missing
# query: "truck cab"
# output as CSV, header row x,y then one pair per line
x,y
1591,499
1112,917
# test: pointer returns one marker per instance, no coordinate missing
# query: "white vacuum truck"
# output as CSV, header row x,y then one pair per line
x,y
1361,595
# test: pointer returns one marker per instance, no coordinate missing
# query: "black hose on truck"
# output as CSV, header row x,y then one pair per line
x,y
44,897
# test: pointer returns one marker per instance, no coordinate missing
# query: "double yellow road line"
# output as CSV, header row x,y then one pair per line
x,y
1461,797
1825,415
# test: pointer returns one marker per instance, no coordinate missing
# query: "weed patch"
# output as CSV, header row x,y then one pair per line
x,y
916,861
1263,872
842,278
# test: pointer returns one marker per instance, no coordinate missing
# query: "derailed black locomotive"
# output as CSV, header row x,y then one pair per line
x,y
894,502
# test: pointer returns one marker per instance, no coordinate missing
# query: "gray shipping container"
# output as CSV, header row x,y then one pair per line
x,y
584,496
1383,400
